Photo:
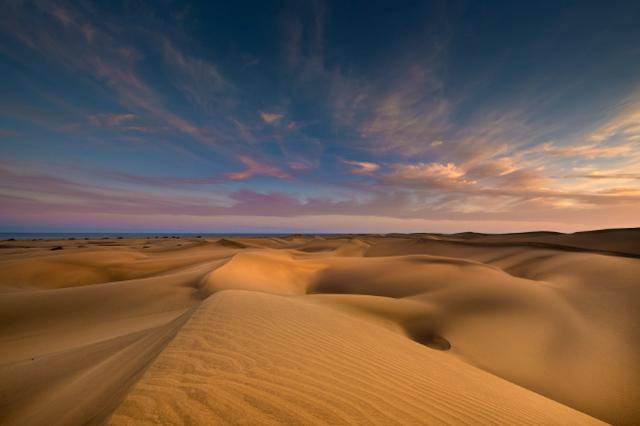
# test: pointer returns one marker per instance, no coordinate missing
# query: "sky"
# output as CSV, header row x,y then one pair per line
x,y
319,116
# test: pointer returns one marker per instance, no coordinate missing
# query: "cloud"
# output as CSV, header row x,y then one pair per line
x,y
621,191
200,81
255,168
606,175
116,122
24,195
523,179
436,174
61,15
270,118
408,117
625,125
300,165
292,41
302,31
110,120
495,168
362,167
588,151
100,50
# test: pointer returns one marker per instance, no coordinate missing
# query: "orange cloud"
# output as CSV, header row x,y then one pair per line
x,y
625,125
428,172
270,118
588,151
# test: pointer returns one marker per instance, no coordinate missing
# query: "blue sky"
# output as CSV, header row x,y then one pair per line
x,y
319,116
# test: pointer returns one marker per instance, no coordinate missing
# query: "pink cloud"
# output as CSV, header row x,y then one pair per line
x,y
39,198
362,167
255,168
300,165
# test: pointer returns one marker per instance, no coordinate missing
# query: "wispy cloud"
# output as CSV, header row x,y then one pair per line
x,y
99,49
199,80
607,175
362,167
111,120
407,116
588,151
492,168
119,122
625,125
303,32
427,174
256,168
270,117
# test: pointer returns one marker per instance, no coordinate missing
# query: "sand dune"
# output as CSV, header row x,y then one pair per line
x,y
271,359
536,328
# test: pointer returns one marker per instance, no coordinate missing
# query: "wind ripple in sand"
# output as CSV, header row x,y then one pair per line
x,y
253,358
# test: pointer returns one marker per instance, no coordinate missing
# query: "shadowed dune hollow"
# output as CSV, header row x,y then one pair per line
x,y
533,328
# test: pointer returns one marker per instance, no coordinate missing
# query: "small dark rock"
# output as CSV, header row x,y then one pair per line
x,y
56,248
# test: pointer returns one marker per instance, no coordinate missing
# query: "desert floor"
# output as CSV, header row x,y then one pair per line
x,y
535,328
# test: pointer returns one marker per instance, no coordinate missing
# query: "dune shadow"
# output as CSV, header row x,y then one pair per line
x,y
431,340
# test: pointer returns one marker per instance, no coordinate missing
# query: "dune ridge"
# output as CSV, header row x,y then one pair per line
x,y
537,328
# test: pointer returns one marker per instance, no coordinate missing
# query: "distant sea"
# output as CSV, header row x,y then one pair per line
x,y
98,235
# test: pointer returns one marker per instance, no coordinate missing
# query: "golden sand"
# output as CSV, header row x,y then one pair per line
x,y
537,328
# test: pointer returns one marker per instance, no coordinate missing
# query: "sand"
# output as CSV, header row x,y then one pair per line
x,y
534,328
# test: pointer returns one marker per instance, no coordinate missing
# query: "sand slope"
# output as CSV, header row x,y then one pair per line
x,y
255,358
538,328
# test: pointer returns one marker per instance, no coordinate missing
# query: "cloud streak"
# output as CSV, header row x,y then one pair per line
x,y
255,168
270,117
362,167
